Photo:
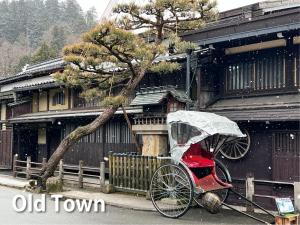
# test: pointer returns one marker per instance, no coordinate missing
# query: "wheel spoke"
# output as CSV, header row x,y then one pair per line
x,y
236,148
171,190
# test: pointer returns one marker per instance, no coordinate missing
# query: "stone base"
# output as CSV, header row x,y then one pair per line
x,y
54,184
107,189
148,195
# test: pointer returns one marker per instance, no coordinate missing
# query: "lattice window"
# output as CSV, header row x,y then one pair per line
x,y
58,98
262,73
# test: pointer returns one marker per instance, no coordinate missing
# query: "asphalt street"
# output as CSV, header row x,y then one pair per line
x,y
112,215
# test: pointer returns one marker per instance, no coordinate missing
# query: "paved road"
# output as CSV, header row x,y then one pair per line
x,y
113,215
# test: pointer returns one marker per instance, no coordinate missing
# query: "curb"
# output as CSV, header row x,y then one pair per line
x,y
112,204
9,184
123,206
12,186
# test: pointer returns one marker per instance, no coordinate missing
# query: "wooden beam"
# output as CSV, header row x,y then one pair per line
x,y
130,128
255,46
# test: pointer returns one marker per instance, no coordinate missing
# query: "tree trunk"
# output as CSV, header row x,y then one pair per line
x,y
48,170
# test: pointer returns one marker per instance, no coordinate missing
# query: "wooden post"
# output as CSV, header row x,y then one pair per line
x,y
134,177
138,172
114,170
129,171
121,175
131,131
44,161
142,172
297,196
15,165
150,170
28,161
110,166
61,170
126,177
145,172
80,174
102,173
117,158
249,192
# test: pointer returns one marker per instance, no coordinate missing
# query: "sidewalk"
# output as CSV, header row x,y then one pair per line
x,y
115,199
122,200
9,181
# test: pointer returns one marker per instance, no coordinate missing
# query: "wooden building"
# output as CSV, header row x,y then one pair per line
x,y
253,78
36,113
246,68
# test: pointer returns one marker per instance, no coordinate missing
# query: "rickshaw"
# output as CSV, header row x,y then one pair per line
x,y
193,169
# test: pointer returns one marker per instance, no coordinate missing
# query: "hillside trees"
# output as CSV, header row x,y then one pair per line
x,y
27,24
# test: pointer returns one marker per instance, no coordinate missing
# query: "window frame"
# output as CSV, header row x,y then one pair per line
x,y
59,98
252,57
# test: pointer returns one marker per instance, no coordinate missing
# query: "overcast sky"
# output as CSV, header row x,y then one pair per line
x,y
222,4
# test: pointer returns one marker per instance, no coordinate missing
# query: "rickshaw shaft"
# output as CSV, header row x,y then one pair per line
x,y
246,214
251,202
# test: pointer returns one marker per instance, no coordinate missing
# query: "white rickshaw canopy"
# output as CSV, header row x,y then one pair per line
x,y
190,127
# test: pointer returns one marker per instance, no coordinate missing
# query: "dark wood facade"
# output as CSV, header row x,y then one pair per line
x,y
253,78
6,149
251,75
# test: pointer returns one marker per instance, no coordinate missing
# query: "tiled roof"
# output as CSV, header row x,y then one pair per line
x,y
43,67
155,95
248,12
280,114
29,84
248,21
37,83
59,63
46,66
168,58
264,108
271,101
67,114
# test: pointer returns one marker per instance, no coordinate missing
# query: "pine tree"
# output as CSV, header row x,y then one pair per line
x,y
43,53
115,44
23,61
91,17
58,39
74,16
32,21
53,12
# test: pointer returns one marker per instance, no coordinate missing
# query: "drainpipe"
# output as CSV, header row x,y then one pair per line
x,y
188,76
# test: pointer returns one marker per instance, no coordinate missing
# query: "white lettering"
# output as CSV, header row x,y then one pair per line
x,y
84,205
15,203
69,205
102,205
56,200
29,209
40,204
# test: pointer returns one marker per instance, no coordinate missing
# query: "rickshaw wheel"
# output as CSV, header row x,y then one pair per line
x,y
224,175
171,190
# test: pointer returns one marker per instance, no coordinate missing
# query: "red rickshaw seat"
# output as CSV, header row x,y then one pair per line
x,y
197,161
